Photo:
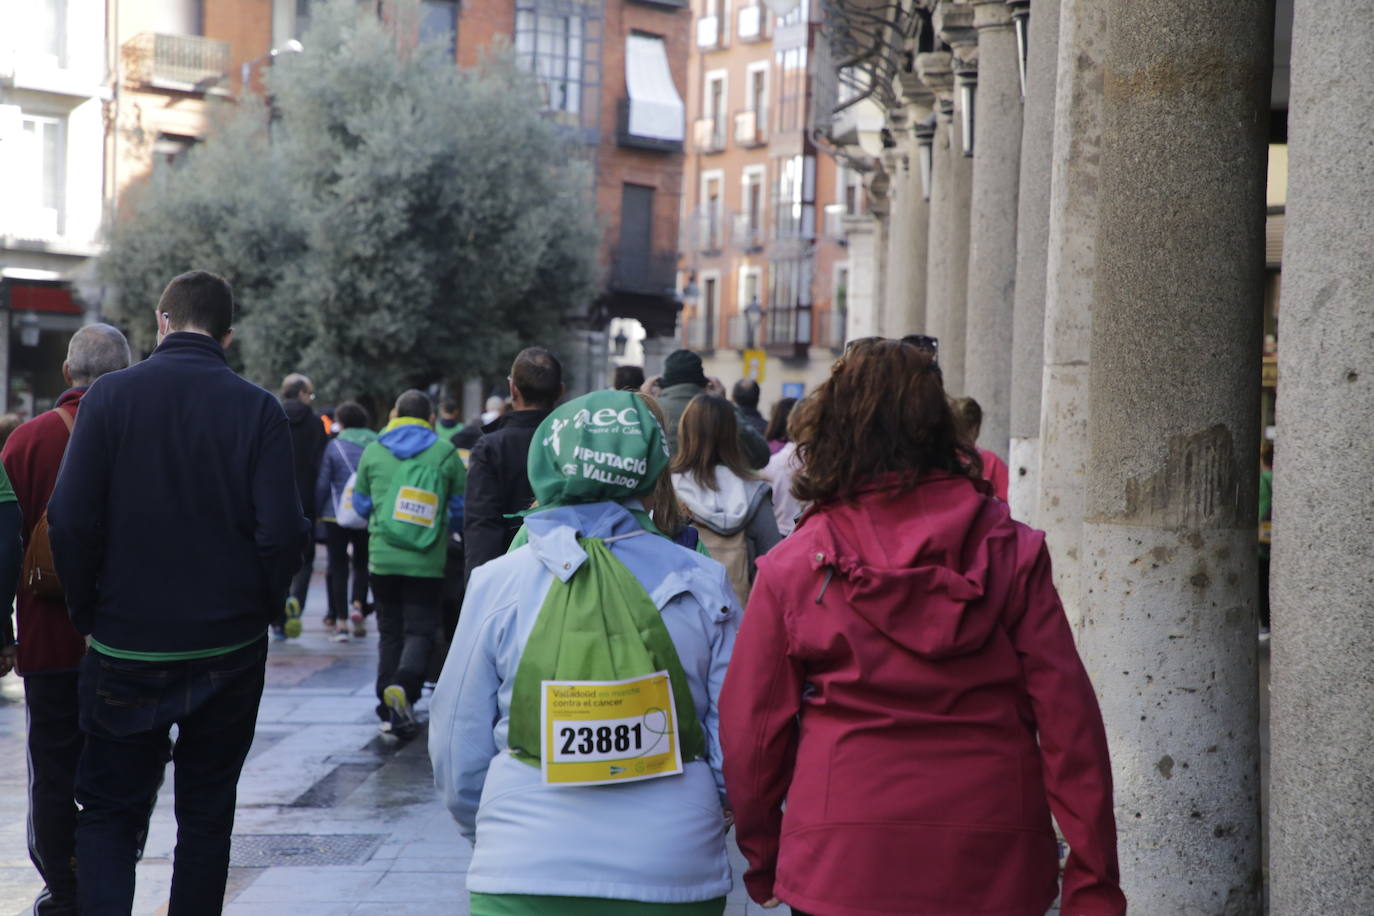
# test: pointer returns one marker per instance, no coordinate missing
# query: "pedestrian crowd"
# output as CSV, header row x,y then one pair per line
x,y
650,615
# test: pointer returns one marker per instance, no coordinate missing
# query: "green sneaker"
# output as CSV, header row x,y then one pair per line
x,y
293,618
403,724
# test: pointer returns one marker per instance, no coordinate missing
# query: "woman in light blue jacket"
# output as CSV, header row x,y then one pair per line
x,y
603,796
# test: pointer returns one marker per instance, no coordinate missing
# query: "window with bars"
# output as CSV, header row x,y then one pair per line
x,y
559,41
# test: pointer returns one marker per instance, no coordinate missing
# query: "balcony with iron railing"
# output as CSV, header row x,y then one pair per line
x,y
641,272
751,129
700,333
788,331
188,63
748,232
708,135
705,230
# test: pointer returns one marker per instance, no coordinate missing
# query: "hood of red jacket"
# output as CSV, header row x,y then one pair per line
x,y
915,565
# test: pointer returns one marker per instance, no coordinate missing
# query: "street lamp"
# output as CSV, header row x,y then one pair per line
x,y
753,314
620,341
925,141
246,70
1020,18
966,76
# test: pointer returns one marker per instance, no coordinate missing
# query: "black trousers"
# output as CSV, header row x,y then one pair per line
x,y
127,711
339,541
408,621
54,745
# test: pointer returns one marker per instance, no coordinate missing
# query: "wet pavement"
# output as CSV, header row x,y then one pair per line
x,y
333,819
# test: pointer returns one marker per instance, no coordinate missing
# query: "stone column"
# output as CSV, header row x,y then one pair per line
x,y
908,313
1169,539
1322,768
992,227
896,286
860,304
1032,247
1071,266
935,72
955,26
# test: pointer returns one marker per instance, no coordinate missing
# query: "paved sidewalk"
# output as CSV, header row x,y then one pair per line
x,y
332,818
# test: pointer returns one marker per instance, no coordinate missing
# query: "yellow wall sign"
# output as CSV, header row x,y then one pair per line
x,y
599,732
755,362
416,507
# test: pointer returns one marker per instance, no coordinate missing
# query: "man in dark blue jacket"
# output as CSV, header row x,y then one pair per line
x,y
175,528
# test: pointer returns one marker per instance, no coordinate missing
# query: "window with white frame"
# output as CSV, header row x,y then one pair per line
x,y
712,210
39,160
714,102
753,205
750,286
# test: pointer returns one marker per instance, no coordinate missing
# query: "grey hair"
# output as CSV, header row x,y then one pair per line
x,y
293,385
95,350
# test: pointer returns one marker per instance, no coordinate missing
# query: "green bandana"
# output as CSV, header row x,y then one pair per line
x,y
602,447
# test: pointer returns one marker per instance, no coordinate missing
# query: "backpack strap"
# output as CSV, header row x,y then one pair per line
x,y
352,468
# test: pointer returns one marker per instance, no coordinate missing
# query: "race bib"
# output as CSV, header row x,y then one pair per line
x,y
599,732
416,507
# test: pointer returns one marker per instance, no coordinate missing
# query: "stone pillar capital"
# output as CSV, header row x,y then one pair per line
x,y
991,14
954,24
936,70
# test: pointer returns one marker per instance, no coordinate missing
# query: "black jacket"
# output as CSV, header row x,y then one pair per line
x,y
307,445
175,523
498,483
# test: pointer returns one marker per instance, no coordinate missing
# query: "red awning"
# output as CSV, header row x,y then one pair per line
x,y
26,298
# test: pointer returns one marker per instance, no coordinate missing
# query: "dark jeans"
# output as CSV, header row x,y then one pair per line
x,y
127,711
338,540
455,584
54,748
408,620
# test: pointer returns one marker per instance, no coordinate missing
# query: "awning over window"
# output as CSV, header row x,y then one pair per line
x,y
656,109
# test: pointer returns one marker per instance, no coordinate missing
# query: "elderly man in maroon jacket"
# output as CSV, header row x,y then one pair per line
x,y
50,649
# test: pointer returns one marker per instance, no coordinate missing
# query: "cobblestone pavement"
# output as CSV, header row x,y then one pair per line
x,y
332,818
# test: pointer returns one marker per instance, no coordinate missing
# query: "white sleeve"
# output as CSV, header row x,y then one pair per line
x,y
464,711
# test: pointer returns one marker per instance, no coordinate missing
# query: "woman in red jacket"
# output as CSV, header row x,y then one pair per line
x,y
906,681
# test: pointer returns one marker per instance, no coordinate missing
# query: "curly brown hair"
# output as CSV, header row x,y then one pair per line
x,y
883,410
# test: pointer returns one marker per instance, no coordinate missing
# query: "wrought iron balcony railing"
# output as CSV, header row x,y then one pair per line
x,y
188,63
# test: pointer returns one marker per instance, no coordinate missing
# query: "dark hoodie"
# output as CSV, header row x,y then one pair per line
x,y
307,447
906,678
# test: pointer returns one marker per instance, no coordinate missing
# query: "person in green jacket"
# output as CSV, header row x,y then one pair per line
x,y
410,488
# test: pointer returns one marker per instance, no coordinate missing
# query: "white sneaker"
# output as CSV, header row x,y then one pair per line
x,y
339,636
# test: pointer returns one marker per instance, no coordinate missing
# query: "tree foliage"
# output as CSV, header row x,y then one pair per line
x,y
400,222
